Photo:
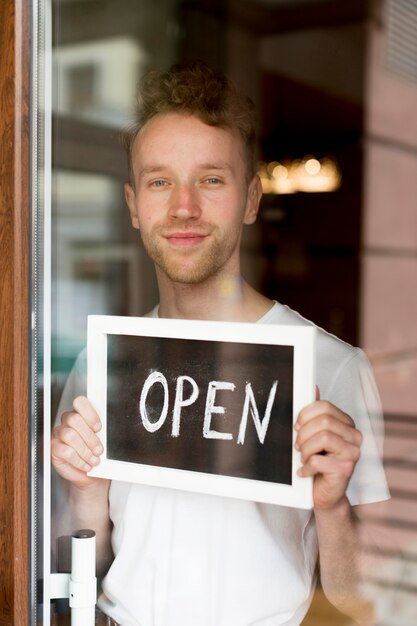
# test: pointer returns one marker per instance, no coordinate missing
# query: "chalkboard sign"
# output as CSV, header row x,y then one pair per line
x,y
202,406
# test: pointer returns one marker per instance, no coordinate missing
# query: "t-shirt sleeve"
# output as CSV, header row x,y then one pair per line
x,y
76,385
353,389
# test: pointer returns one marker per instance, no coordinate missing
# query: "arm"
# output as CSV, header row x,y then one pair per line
x,y
329,445
75,449
339,547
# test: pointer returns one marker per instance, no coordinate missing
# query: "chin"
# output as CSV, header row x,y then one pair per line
x,y
188,278
191,269
192,275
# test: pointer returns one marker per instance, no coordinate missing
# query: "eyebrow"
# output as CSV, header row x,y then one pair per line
x,y
219,166
150,169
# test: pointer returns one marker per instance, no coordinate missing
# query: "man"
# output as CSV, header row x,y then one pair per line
x,y
184,558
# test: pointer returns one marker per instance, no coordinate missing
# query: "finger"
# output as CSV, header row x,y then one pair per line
x,y
322,407
330,466
64,456
76,422
75,450
329,444
84,407
327,424
317,393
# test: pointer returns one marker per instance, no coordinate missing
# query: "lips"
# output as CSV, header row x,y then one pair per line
x,y
185,238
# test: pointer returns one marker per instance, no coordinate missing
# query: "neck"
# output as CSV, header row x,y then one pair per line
x,y
219,299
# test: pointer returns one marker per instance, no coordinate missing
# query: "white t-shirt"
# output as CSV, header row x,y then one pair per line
x,y
188,559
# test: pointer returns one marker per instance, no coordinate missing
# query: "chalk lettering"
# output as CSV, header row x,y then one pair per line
x,y
250,404
153,378
180,401
212,408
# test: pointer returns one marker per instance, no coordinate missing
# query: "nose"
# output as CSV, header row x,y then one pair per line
x,y
184,203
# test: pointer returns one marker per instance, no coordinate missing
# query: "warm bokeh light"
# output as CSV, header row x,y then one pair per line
x,y
308,175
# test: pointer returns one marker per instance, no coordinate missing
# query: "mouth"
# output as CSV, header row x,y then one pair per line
x,y
185,239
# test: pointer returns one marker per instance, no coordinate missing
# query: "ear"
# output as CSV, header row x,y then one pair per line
x,y
253,200
130,197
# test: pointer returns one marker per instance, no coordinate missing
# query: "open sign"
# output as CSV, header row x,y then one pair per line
x,y
202,406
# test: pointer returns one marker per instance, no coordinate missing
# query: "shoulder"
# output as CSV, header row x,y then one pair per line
x,y
328,345
335,359
75,385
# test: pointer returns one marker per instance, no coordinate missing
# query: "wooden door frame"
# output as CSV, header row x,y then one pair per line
x,y
14,313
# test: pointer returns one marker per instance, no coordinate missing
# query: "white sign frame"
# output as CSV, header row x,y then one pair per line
x,y
301,338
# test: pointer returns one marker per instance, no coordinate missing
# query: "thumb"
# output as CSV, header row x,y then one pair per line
x,y
317,393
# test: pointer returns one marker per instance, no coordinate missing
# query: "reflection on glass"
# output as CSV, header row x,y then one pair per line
x,y
97,80
92,270
100,50
98,265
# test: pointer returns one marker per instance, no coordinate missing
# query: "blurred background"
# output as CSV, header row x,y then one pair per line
x,y
335,84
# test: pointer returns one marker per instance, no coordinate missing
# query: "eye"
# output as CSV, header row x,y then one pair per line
x,y
213,180
158,183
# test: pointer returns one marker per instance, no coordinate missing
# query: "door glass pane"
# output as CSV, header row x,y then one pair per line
x,y
336,158
98,265
93,265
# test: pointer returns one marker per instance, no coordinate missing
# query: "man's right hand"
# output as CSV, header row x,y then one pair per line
x,y
75,446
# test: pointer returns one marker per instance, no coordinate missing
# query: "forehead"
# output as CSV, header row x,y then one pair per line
x,y
175,135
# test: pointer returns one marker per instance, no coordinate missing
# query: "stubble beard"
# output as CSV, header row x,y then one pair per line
x,y
190,267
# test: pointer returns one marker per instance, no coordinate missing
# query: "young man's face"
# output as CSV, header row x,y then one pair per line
x,y
191,197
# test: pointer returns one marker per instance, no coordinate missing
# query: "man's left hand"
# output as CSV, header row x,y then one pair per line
x,y
329,445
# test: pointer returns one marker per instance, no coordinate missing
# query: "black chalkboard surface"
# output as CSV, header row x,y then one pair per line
x,y
205,437
202,406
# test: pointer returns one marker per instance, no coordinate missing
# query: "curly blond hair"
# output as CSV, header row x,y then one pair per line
x,y
194,89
